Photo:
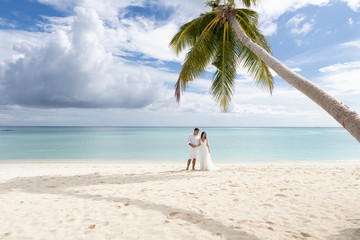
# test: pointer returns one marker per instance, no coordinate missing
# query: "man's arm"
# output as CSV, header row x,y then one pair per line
x,y
189,142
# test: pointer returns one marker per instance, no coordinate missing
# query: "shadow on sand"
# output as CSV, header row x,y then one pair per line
x,y
60,185
347,234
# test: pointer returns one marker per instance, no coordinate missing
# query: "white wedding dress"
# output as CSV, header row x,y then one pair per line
x,y
205,158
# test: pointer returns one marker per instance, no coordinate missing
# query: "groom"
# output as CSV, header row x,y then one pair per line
x,y
194,143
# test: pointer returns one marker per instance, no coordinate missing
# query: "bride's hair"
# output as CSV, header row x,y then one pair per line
x,y
203,134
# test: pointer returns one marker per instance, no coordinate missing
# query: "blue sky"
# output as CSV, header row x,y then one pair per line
x,y
107,63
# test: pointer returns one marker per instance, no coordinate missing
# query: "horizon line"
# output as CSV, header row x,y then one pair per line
x,y
98,126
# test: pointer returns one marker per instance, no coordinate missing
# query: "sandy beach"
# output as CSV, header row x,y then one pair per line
x,y
162,201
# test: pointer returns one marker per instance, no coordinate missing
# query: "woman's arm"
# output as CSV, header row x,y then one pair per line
x,y
207,144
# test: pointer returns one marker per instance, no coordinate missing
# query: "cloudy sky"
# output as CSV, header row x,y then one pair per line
x,y
107,63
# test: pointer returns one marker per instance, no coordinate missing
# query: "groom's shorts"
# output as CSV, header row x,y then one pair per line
x,y
193,152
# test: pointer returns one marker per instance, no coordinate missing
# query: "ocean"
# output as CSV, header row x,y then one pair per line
x,y
169,144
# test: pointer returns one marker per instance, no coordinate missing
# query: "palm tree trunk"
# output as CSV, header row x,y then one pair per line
x,y
348,118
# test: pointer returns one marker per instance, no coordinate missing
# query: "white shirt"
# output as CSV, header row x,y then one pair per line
x,y
194,140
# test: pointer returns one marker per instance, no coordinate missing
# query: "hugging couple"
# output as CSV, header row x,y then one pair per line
x,y
199,145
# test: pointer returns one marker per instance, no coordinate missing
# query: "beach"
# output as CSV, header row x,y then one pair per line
x,y
114,200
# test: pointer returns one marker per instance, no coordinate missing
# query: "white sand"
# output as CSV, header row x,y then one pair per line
x,y
159,201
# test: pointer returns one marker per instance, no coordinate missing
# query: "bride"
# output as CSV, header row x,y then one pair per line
x,y
205,159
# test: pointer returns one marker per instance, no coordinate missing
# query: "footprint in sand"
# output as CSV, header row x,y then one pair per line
x,y
173,214
89,228
92,226
305,234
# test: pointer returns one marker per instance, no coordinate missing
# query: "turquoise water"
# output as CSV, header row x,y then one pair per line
x,y
169,144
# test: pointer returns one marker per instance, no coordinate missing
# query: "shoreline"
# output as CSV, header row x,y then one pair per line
x,y
155,162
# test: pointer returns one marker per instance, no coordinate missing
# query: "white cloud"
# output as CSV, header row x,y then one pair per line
x,y
340,52
130,36
296,69
270,11
344,83
6,23
107,8
353,4
355,43
342,78
112,9
330,32
73,69
144,36
300,42
6,118
10,38
296,20
350,21
60,4
268,27
298,26
51,24
340,67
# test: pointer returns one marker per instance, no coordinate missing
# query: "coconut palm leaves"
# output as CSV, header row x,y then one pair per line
x,y
211,40
246,3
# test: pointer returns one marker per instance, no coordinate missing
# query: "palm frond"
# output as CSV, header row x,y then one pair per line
x,y
190,32
226,63
248,20
198,57
257,69
213,4
248,3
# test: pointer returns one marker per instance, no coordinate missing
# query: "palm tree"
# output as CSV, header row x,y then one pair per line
x,y
227,37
